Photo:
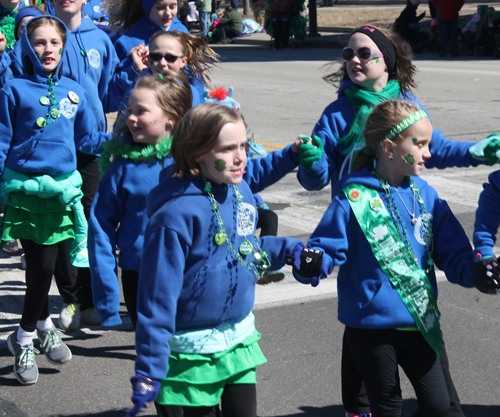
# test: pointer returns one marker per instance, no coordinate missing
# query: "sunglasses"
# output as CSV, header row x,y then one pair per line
x,y
156,57
365,53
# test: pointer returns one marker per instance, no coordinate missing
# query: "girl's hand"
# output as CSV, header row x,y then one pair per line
x,y
140,57
297,143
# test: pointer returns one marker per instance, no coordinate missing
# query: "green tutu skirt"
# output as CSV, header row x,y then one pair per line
x,y
43,220
198,380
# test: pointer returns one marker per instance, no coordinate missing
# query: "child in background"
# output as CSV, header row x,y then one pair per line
x,y
8,12
386,230
205,9
138,20
118,216
200,263
44,119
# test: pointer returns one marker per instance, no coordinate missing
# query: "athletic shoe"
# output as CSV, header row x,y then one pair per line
x,y
272,276
358,415
54,348
11,247
23,262
90,317
69,318
25,367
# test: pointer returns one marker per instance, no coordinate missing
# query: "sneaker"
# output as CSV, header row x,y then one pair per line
x,y
272,276
11,247
90,317
69,318
25,367
347,414
54,348
23,262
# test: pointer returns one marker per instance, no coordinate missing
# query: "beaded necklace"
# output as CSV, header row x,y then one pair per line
x,y
260,267
400,224
53,111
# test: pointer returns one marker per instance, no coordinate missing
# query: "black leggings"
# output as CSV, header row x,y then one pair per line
x,y
42,262
130,283
238,400
378,354
268,222
355,398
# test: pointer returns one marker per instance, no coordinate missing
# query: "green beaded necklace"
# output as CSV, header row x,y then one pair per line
x,y
400,224
263,263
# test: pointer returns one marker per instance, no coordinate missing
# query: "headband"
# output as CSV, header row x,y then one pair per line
x,y
383,43
406,123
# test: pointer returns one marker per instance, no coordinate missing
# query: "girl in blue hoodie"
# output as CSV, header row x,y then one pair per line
x,y
386,230
44,119
376,66
199,267
118,216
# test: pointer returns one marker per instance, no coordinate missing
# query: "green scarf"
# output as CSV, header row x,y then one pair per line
x,y
135,153
364,101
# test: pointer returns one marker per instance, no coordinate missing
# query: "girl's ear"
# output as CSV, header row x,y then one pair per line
x,y
388,148
184,61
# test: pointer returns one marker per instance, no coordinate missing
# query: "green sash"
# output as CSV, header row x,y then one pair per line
x,y
394,258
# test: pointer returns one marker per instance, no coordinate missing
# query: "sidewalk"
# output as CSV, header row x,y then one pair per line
x,y
326,39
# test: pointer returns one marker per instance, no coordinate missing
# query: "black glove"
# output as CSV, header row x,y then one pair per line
x,y
307,265
487,276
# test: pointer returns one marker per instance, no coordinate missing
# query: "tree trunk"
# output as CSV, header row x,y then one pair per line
x,y
246,8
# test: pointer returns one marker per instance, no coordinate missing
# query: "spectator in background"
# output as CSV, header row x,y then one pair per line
x,y
447,15
230,26
407,23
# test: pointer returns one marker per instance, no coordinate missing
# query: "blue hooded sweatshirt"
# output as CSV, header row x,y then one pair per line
x,y
91,9
5,71
24,145
487,217
118,218
187,282
367,298
335,123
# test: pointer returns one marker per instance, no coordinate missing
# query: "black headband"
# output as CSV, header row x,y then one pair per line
x,y
383,43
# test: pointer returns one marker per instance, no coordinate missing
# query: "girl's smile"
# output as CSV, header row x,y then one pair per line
x,y
163,12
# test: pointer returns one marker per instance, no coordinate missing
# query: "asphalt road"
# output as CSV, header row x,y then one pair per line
x,y
282,95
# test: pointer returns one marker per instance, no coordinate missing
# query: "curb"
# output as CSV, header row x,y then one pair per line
x,y
324,40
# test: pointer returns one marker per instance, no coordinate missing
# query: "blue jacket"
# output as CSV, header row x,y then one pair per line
x,y
90,60
487,217
91,9
367,299
187,282
26,147
141,32
118,218
335,123
5,71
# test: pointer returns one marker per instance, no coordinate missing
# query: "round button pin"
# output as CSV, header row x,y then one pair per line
x,y
220,237
41,122
73,97
55,114
246,248
44,101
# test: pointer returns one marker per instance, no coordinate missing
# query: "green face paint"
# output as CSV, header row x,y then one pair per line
x,y
152,123
409,159
414,140
60,51
220,165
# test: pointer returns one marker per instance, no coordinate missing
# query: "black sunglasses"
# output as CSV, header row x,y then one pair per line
x,y
365,53
156,57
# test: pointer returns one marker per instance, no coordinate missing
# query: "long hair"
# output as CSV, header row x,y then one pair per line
x,y
405,70
201,58
123,14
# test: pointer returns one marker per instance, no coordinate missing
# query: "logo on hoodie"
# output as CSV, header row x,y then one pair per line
x,y
423,228
94,58
246,220
68,109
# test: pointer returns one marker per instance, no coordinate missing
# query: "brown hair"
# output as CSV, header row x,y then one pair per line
x,y
405,70
197,133
173,95
381,121
201,57
47,20
123,14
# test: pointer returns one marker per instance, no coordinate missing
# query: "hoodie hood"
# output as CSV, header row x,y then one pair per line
x,y
26,11
28,52
171,187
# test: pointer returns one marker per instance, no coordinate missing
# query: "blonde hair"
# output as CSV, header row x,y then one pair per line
x,y
404,72
381,121
197,133
201,57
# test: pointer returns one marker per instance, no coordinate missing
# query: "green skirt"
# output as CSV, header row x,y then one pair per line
x,y
198,380
43,220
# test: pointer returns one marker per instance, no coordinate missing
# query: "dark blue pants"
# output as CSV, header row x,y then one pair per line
x,y
448,29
